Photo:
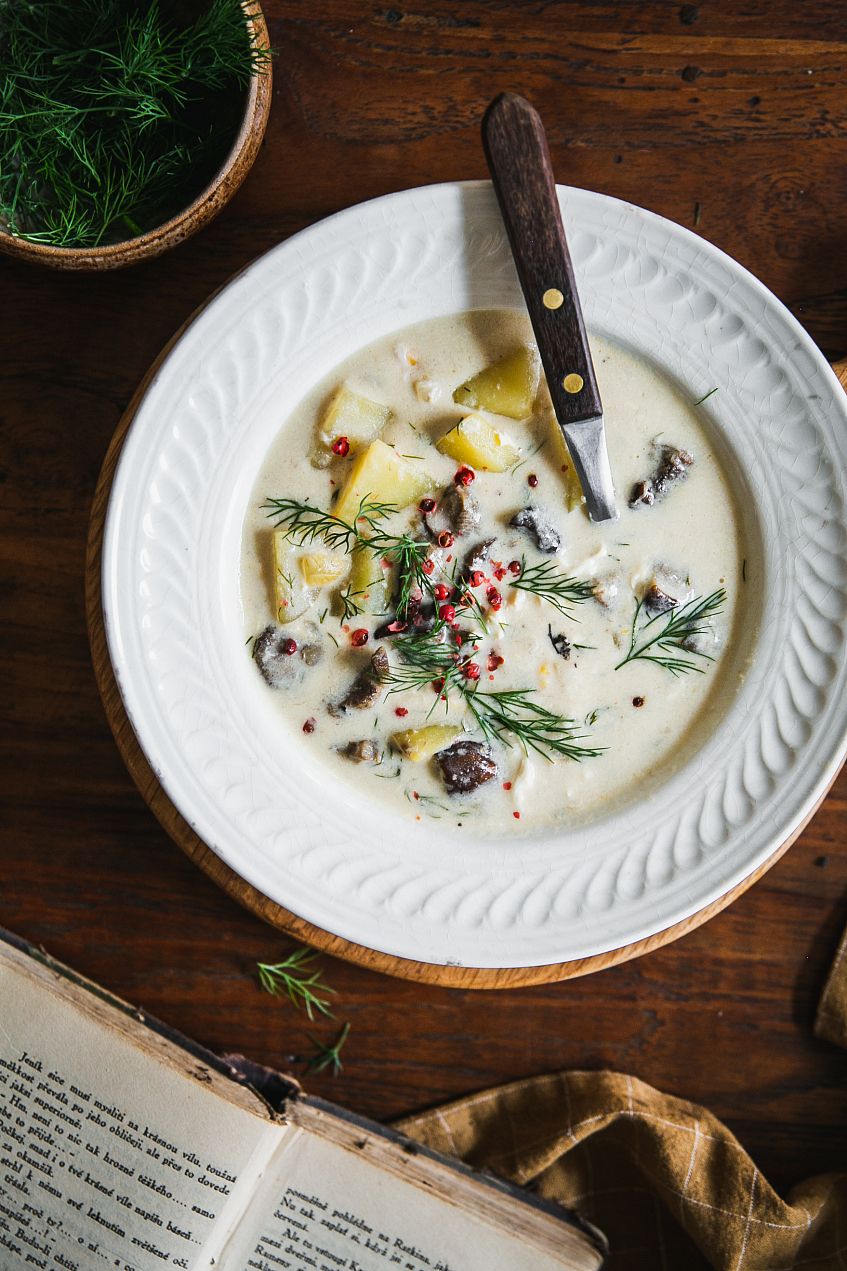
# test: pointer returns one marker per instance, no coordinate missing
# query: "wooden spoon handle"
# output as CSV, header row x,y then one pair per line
x,y
516,149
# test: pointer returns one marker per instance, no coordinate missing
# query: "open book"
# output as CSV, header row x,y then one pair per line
x,y
123,1145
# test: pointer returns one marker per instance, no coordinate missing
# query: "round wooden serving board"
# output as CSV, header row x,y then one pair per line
x,y
253,899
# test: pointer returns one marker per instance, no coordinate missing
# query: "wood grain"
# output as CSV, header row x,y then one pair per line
x,y
366,101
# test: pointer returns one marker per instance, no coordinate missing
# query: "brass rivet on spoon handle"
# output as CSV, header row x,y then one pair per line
x,y
515,146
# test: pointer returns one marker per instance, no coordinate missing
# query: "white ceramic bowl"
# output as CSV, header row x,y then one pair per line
x,y
205,721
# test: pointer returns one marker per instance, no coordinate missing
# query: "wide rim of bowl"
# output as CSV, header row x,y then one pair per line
x,y
223,369
204,208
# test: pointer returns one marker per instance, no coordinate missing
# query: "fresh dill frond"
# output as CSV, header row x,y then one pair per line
x,y
113,116
681,628
429,659
509,716
548,582
512,714
290,977
705,397
408,555
302,523
327,1055
349,608
467,604
371,511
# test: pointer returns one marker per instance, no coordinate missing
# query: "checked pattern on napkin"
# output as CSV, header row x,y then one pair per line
x,y
669,1185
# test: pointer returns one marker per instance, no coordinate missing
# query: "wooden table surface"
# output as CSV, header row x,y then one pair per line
x,y
741,110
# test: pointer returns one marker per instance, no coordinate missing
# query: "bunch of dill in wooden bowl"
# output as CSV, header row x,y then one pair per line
x,y
125,125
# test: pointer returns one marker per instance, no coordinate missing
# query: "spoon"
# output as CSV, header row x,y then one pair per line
x,y
515,146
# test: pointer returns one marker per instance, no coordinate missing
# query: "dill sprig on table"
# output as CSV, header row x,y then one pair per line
x,y
681,628
114,115
291,978
548,582
327,1055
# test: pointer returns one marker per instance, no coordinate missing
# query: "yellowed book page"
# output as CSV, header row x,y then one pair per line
x,y
339,1198
117,1148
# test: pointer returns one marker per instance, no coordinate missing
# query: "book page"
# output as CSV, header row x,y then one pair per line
x,y
112,1156
333,1206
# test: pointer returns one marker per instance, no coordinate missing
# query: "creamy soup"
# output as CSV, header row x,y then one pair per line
x,y
580,663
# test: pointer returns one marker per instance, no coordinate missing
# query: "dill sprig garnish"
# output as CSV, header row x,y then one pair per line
x,y
347,601
466,603
113,116
548,582
303,523
408,555
511,713
327,1055
681,628
438,657
290,977
509,716
434,658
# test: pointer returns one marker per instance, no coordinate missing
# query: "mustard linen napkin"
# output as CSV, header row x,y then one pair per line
x,y
669,1185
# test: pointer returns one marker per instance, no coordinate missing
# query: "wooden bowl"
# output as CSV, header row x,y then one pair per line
x,y
205,207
